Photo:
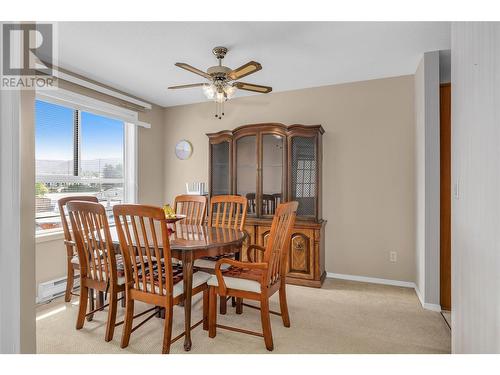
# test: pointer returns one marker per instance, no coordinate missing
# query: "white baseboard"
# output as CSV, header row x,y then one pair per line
x,y
427,306
375,280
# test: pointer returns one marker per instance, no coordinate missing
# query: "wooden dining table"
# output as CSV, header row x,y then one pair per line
x,y
190,242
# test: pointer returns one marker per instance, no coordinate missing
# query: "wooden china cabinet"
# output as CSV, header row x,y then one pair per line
x,y
269,164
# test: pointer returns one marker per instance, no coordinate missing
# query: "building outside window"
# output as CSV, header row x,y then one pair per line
x,y
79,153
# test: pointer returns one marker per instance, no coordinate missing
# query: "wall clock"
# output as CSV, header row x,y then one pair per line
x,y
183,149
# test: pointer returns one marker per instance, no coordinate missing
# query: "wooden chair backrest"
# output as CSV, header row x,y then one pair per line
x,y
96,253
228,211
143,234
193,206
61,203
276,251
268,204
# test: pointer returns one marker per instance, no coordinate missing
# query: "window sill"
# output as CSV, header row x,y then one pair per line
x,y
54,236
46,237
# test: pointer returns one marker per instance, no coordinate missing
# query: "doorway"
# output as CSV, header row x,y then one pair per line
x,y
445,196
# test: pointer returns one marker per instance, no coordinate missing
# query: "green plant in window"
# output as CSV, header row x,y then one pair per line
x,y
40,189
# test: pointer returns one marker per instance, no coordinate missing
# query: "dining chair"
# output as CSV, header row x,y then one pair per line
x,y
96,256
252,205
257,281
150,276
268,206
226,211
193,206
71,252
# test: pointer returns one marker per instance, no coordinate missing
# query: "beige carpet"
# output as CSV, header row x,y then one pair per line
x,y
342,317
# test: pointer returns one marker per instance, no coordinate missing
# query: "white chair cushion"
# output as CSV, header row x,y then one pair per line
x,y
207,263
236,283
120,281
199,278
75,260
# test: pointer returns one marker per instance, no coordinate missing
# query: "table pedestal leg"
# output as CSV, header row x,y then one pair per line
x,y
187,271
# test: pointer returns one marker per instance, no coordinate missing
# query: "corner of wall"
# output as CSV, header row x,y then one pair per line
x,y
427,306
151,161
427,180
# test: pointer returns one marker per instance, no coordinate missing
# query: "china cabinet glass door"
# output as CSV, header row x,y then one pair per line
x,y
246,171
220,169
304,169
273,157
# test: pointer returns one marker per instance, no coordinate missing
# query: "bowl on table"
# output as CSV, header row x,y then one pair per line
x,y
172,220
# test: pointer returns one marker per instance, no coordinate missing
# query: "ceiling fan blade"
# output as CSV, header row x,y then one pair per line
x,y
192,69
187,86
252,87
244,70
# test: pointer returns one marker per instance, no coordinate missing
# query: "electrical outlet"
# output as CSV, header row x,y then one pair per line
x,y
393,256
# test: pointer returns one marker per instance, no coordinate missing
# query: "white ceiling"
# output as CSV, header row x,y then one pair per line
x,y
139,57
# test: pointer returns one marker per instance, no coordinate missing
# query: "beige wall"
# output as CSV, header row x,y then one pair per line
x,y
150,166
50,255
368,185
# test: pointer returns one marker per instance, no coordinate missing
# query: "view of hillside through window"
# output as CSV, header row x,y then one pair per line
x,y
77,153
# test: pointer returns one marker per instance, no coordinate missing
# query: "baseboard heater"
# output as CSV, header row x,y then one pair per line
x,y
54,288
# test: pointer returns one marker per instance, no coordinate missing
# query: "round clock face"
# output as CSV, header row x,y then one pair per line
x,y
183,149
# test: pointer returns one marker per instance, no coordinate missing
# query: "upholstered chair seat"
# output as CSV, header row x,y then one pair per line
x,y
236,283
209,263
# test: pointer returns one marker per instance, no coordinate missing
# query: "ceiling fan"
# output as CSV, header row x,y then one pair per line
x,y
222,80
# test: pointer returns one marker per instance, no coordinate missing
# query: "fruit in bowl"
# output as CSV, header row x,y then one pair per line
x,y
169,212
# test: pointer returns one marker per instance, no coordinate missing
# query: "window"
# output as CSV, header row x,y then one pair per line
x,y
79,153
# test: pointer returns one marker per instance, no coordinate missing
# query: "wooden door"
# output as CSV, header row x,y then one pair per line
x,y
445,196
301,254
263,233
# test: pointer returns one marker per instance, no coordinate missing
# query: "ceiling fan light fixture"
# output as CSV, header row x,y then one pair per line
x,y
209,90
221,86
220,97
230,91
